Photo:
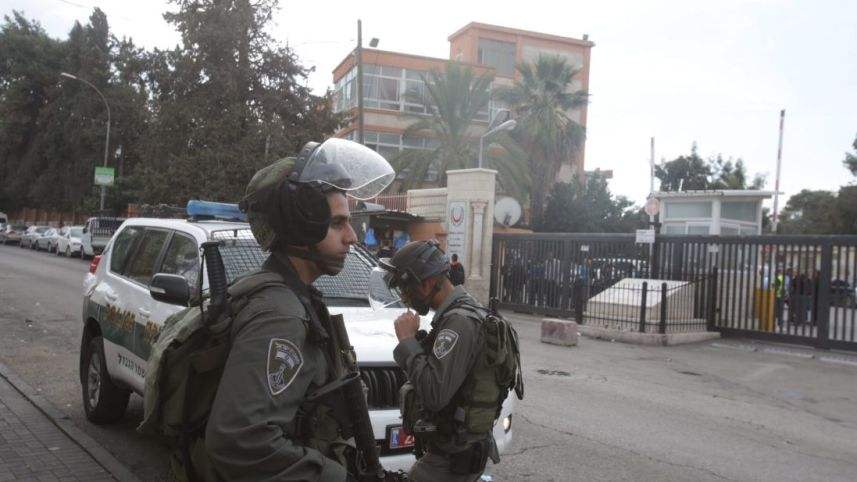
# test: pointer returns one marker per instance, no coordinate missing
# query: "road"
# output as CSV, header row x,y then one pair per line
x,y
598,411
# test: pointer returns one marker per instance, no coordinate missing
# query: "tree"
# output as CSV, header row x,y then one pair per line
x,y
226,102
542,100
692,172
455,97
809,212
589,207
851,159
846,210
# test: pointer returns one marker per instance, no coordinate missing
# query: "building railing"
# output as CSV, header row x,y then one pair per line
x,y
428,203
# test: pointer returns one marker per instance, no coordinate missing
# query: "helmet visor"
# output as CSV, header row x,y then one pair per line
x,y
348,166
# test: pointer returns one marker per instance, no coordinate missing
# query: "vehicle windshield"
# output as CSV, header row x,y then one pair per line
x,y
42,229
76,232
355,286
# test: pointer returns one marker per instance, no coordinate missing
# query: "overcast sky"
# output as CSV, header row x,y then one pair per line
x,y
714,73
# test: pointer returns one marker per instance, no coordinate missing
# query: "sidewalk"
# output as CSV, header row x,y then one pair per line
x,y
34,447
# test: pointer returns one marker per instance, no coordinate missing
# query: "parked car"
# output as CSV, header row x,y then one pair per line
x,y
71,243
12,233
843,294
55,239
97,232
118,307
28,240
44,241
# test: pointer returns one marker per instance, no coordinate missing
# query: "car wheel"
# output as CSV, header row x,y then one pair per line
x,y
103,401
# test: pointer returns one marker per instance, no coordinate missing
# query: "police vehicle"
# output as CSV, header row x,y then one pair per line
x,y
121,318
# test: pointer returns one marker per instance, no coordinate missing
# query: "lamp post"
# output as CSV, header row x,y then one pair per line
x,y
506,126
358,52
107,136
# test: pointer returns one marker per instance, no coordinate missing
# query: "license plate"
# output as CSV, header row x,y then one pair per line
x,y
397,438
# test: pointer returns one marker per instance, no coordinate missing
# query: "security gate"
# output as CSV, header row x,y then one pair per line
x,y
796,289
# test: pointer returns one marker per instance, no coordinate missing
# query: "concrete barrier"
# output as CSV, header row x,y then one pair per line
x,y
637,338
559,332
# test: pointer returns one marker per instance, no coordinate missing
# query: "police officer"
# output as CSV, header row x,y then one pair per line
x,y
446,370
261,426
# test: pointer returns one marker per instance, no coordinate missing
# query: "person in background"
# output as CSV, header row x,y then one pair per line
x,y
386,250
456,271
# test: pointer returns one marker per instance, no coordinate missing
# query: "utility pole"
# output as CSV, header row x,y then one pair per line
x,y
776,220
360,138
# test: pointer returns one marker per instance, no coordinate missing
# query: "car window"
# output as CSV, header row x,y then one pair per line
x,y
122,246
182,258
141,267
76,232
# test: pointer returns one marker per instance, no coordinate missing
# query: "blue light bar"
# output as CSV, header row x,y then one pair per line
x,y
214,210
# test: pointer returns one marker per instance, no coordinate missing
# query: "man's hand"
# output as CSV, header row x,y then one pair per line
x,y
407,325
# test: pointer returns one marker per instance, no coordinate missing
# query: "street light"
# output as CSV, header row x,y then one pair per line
x,y
506,126
107,136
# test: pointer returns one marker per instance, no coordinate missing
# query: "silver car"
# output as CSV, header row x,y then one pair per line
x,y
28,240
12,233
45,242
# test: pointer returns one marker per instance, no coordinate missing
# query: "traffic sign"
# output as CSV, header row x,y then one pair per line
x,y
653,206
104,176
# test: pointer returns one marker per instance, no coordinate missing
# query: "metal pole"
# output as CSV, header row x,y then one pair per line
x,y
360,137
652,169
107,135
481,138
776,220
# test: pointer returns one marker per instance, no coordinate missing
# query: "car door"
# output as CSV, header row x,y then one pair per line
x,y
181,257
132,259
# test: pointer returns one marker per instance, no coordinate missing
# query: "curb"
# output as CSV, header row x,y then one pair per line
x,y
117,469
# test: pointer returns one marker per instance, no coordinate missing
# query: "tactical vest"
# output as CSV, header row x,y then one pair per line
x,y
184,373
477,404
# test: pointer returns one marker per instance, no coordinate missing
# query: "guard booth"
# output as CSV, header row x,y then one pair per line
x,y
725,212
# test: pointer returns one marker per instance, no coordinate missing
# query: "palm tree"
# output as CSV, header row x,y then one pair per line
x,y
454,98
542,100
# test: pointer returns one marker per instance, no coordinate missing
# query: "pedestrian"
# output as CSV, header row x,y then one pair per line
x,y
456,271
779,293
281,351
457,380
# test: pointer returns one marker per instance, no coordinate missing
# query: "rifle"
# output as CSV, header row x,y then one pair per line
x,y
369,466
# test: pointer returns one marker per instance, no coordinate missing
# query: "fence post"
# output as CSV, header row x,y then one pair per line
x,y
712,299
662,328
643,307
578,302
821,312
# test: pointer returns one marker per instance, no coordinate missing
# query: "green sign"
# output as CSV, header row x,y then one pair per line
x,y
104,176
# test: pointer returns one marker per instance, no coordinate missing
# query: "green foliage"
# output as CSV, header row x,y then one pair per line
x,y
809,212
542,100
589,207
692,172
190,122
846,210
851,159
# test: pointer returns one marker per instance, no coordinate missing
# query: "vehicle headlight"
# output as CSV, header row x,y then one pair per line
x,y
507,423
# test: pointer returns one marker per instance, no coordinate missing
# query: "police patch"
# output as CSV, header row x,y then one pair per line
x,y
284,362
444,342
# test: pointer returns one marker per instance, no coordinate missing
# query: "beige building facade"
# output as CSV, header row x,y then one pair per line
x,y
394,92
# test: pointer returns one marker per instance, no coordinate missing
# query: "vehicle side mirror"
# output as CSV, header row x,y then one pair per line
x,y
170,288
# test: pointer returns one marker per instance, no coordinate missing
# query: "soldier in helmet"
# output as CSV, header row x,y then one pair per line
x,y
262,425
452,397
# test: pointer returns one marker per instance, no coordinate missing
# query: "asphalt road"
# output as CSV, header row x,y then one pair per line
x,y
599,411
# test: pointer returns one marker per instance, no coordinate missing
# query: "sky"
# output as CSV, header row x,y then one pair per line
x,y
711,73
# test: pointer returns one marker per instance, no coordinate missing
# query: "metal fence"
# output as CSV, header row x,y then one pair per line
x,y
786,288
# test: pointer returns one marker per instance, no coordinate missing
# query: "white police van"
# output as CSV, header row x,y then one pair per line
x,y
121,318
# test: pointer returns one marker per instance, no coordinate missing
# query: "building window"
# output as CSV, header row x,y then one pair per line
x,y
739,210
500,55
384,87
390,145
673,229
685,210
698,229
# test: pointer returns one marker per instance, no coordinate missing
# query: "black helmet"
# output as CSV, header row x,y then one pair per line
x,y
414,263
285,201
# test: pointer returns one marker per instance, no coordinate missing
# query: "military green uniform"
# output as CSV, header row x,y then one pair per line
x,y
437,367
274,363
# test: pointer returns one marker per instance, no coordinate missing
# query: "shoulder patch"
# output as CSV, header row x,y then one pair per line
x,y
284,363
444,343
